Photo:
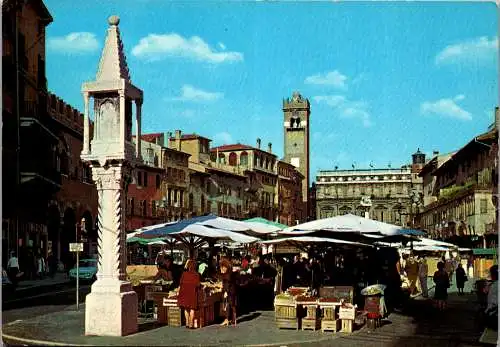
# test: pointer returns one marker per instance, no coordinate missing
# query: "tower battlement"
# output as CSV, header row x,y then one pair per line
x,y
296,102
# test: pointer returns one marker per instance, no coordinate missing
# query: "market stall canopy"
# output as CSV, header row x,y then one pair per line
x,y
269,226
312,239
165,229
213,233
430,248
419,243
347,223
430,242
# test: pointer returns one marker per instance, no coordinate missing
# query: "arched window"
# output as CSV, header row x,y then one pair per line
x,y
158,181
144,208
233,159
244,159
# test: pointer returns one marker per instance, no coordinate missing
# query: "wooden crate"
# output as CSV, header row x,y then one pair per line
x,y
347,313
312,319
285,311
284,323
330,325
311,324
347,325
327,292
286,316
174,316
329,313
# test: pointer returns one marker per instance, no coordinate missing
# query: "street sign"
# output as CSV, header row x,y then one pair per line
x,y
76,247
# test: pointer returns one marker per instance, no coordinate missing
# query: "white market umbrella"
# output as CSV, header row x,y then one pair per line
x,y
345,223
213,233
430,242
313,239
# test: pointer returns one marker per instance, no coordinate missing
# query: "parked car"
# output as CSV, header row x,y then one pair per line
x,y
87,270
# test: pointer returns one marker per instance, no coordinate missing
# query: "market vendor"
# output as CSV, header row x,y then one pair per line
x,y
168,271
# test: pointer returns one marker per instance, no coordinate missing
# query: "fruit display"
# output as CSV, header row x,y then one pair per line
x,y
293,291
304,298
329,300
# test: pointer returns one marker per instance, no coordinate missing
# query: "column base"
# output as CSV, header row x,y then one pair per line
x,y
111,309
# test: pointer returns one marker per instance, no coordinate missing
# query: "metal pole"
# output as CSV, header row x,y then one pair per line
x,y
18,126
77,278
77,267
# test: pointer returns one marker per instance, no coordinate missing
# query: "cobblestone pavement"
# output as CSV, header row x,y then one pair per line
x,y
419,325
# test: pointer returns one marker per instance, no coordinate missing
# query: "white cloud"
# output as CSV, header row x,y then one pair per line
x,y
347,108
190,93
156,47
446,108
476,50
74,43
330,100
332,78
223,138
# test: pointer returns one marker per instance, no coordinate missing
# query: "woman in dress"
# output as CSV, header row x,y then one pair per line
x,y
230,283
442,281
189,292
461,278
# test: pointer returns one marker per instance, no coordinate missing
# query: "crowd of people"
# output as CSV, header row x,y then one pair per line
x,y
34,266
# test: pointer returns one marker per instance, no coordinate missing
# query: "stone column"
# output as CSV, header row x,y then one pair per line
x,y
111,307
123,127
86,124
138,115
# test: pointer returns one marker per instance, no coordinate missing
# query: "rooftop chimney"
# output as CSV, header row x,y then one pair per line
x,y
178,140
270,147
497,118
258,143
169,136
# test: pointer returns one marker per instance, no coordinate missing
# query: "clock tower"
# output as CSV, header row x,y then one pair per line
x,y
296,112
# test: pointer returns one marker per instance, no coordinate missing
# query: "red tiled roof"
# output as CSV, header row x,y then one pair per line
x,y
234,147
150,137
190,137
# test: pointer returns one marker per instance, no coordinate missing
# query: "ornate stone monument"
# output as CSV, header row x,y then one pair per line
x,y
111,306
366,203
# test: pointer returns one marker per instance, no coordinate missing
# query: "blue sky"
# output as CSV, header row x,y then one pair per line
x,y
383,78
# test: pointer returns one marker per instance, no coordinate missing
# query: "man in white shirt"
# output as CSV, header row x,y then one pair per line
x,y
13,268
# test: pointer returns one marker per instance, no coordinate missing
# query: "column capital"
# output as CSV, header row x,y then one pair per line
x,y
86,94
139,102
121,93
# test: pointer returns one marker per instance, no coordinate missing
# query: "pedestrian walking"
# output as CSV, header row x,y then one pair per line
x,y
412,272
40,266
13,268
461,278
52,265
442,281
423,272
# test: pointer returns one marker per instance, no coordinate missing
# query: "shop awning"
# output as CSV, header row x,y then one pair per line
x,y
485,251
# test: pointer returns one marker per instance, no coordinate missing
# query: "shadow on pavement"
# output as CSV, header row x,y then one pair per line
x,y
424,325
249,317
